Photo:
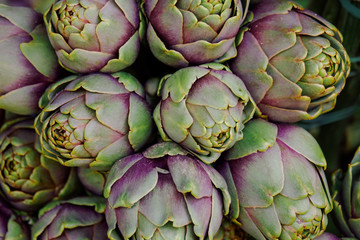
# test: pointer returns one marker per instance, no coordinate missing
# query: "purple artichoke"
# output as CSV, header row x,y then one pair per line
x,y
93,120
77,218
28,63
29,180
346,194
182,33
11,226
292,61
204,125
94,35
277,183
163,193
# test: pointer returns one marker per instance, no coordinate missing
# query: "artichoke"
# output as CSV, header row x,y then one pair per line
x,y
93,120
346,194
28,180
11,226
163,193
277,183
292,61
94,35
77,218
28,63
200,31
204,109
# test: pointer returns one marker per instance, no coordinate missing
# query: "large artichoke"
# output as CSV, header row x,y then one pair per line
x,y
163,193
93,120
292,61
28,63
346,195
11,226
94,35
183,32
277,183
75,219
204,109
28,180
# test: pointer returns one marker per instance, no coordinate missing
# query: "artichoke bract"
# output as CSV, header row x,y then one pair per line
x,y
77,218
11,226
292,61
93,120
277,183
92,180
346,194
182,33
163,193
231,231
328,236
29,180
204,109
28,63
94,35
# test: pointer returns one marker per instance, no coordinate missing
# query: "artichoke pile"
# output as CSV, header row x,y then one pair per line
x,y
169,119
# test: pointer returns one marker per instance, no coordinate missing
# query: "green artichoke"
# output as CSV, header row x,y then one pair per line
x,y
28,63
94,35
93,120
292,61
203,109
182,32
277,183
11,226
346,194
74,219
29,180
163,193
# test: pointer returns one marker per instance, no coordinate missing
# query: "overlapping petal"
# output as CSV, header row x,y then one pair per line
x,y
28,63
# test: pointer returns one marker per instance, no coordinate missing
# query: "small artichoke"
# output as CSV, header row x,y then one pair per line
x,y
77,218
11,226
182,33
28,63
163,193
204,109
93,120
346,194
277,183
94,35
29,180
292,61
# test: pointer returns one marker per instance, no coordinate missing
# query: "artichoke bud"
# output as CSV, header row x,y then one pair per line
x,y
291,60
277,182
164,192
93,120
28,179
204,125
